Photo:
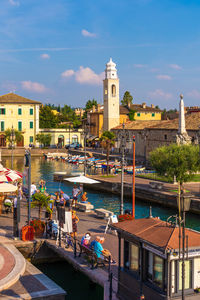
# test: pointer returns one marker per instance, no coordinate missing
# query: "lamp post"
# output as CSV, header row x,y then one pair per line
x,y
12,140
133,191
84,134
183,205
124,138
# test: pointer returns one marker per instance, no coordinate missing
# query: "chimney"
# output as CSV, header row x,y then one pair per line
x,y
93,108
152,106
98,107
143,105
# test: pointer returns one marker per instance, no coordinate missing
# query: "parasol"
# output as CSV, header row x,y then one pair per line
x,y
8,174
82,179
7,188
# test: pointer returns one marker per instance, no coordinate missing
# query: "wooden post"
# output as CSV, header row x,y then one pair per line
x,y
133,191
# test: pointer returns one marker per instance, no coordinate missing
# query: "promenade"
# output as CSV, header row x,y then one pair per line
x,y
32,281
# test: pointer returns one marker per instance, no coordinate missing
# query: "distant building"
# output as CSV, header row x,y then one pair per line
x,y
79,112
149,264
22,114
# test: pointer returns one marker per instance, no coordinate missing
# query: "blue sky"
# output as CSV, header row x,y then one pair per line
x,y
56,51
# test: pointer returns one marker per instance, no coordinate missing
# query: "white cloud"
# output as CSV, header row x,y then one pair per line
x,y
68,73
175,67
14,3
45,56
158,94
87,33
33,86
163,77
84,76
194,94
139,66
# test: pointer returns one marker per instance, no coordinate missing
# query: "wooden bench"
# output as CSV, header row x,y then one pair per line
x,y
91,255
86,207
103,213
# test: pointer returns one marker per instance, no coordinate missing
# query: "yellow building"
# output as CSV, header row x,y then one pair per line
x,y
145,113
22,114
62,136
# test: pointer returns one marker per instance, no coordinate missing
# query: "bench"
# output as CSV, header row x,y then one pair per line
x,y
103,213
91,255
86,207
152,184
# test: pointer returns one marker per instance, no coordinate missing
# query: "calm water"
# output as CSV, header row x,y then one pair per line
x,y
45,169
76,284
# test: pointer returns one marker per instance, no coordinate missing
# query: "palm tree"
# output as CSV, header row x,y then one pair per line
x,y
18,135
108,138
41,201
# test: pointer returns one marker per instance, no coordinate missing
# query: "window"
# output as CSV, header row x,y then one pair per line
x,y
165,137
31,139
20,125
2,111
153,114
19,111
113,88
31,124
31,111
131,256
155,269
138,114
2,126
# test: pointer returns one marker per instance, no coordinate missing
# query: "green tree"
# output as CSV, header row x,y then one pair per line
x,y
41,201
127,98
176,161
47,118
132,115
18,135
89,104
108,139
44,139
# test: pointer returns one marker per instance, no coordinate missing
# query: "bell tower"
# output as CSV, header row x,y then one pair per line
x,y
111,97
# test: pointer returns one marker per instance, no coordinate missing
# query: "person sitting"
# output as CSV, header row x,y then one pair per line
x,y
84,198
97,246
86,240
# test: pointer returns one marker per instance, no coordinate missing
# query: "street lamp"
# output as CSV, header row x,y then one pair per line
x,y
85,134
12,140
124,137
183,203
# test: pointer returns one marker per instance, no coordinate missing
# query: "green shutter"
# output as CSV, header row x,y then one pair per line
x,y
2,125
31,124
31,111
20,125
153,114
4,111
138,114
31,139
19,111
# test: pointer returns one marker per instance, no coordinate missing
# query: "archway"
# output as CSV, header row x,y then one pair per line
x,y
113,90
60,141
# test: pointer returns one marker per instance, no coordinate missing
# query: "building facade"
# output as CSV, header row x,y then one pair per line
x,y
20,113
150,264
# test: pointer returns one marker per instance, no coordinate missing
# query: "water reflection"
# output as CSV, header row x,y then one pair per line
x,y
45,169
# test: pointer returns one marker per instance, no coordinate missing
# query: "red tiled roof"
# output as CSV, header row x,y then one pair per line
x,y
157,232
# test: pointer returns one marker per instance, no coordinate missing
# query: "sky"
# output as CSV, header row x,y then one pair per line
x,y
56,51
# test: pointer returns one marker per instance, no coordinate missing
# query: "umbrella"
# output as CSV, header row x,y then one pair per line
x,y
7,188
8,174
82,179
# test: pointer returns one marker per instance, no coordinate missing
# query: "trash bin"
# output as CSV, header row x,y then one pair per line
x,y
27,233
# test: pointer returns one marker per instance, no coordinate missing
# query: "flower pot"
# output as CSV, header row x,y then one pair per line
x,y
38,232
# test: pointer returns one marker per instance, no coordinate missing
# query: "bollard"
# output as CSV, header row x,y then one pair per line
x,y
109,267
59,237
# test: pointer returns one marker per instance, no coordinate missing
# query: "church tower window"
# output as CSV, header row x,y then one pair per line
x,y
113,90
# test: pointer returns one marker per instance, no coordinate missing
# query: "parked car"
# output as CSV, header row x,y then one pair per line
x,y
73,146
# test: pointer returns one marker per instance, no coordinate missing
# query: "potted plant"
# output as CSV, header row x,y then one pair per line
x,y
42,201
39,227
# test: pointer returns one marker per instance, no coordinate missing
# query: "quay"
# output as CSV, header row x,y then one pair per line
x,y
165,196
28,282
